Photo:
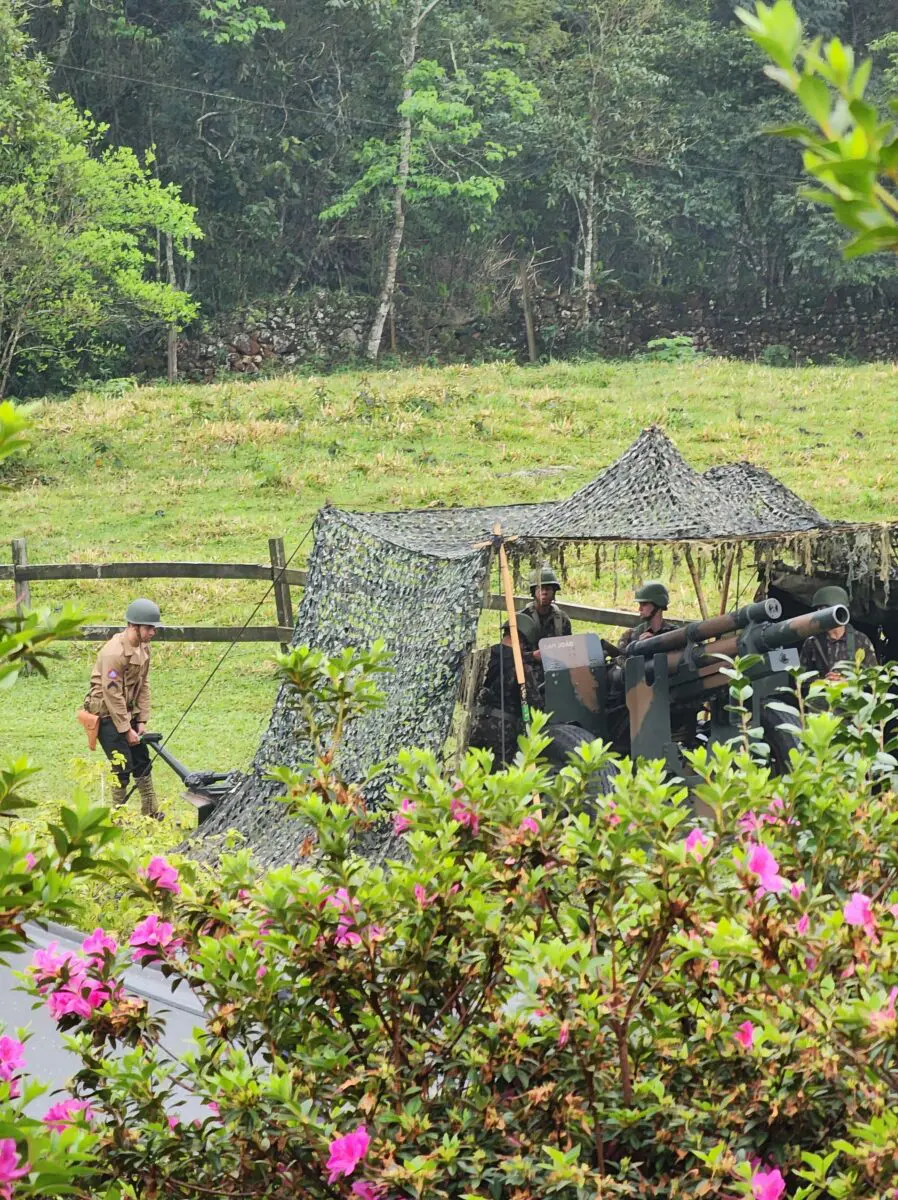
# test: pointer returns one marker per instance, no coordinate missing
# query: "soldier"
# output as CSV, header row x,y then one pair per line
x,y
120,695
653,598
547,618
498,720
823,651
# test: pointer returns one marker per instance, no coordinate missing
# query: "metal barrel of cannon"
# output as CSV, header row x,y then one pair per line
x,y
703,631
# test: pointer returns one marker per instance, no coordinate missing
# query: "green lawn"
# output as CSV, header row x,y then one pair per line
x,y
213,472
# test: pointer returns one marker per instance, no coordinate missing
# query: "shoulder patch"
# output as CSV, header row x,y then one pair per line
x,y
112,674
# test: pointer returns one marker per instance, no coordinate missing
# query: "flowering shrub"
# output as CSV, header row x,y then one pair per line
x,y
547,994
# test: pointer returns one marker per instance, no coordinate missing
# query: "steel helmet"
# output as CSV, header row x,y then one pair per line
x,y
143,612
825,597
528,628
654,592
544,577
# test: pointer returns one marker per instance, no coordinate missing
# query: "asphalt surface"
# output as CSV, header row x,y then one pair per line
x,y
47,1058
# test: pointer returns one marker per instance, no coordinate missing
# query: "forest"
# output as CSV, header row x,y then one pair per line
x,y
435,157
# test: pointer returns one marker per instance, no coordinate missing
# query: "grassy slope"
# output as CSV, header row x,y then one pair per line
x,y
212,472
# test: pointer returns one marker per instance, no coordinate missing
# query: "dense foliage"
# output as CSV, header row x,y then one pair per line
x,y
552,993
77,222
577,142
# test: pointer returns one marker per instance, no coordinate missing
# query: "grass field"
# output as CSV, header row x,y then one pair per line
x,y
210,473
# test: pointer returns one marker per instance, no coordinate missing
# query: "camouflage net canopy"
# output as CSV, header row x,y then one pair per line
x,y
360,588
416,578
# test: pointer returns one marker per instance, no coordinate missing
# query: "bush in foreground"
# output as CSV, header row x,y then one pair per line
x,y
549,995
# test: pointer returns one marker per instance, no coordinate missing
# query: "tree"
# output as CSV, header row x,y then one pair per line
x,y
77,222
445,149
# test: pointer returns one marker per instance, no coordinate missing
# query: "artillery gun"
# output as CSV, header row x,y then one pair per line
x,y
646,702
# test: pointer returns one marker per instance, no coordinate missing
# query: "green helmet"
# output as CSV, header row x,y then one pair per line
x,y
654,592
528,629
825,597
143,612
544,577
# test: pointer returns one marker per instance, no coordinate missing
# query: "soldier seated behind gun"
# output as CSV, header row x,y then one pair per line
x,y
653,598
497,715
823,651
547,619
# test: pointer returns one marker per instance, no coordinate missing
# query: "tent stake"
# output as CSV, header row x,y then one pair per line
x,y
727,576
508,588
697,584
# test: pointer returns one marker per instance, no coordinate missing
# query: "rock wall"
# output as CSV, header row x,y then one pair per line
x,y
325,328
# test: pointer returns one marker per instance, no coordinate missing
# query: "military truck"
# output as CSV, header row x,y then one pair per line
x,y
668,690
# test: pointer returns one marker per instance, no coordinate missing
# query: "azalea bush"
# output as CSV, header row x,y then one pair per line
x,y
544,992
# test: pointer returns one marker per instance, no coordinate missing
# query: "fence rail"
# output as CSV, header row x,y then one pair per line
x,y
22,574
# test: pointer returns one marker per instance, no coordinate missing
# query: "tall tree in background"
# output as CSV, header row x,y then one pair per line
x,y
446,146
76,222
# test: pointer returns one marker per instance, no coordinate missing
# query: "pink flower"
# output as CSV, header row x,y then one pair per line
x,y
9,1166
882,1016
12,1063
173,1122
803,925
745,1035
97,944
346,935
153,939
50,964
365,1190
797,888
30,861
859,911
213,1108
613,818
767,1185
697,844
713,966
347,1152
402,819
341,900
460,812
79,999
530,825
162,875
762,863
563,1034
65,1112
422,897
749,822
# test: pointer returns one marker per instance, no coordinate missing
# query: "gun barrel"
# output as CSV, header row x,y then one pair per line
x,y
713,627
761,638
797,629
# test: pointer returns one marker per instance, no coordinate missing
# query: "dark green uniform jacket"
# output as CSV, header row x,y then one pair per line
x,y
821,652
632,634
553,624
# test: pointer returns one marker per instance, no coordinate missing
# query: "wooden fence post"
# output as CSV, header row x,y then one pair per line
x,y
282,598
22,586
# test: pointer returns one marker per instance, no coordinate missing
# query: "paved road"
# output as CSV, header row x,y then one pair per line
x,y
48,1059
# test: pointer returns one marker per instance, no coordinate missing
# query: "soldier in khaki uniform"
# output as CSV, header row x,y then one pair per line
x,y
653,598
120,695
823,651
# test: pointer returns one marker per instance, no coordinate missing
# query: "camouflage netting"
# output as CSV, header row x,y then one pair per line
x,y
361,588
415,579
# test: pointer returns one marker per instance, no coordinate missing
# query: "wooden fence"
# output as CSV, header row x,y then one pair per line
x,y
275,572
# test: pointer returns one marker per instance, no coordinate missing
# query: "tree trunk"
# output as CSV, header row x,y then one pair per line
x,y
589,250
385,299
172,329
528,313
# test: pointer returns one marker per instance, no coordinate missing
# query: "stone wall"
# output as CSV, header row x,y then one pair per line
x,y
325,328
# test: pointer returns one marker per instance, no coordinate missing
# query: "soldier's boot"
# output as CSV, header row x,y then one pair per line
x,y
149,804
119,795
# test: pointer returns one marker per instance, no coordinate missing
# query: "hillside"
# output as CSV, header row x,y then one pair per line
x,y
212,472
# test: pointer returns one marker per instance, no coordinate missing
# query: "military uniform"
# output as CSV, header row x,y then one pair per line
x,y
821,653
498,719
554,623
120,696
636,632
